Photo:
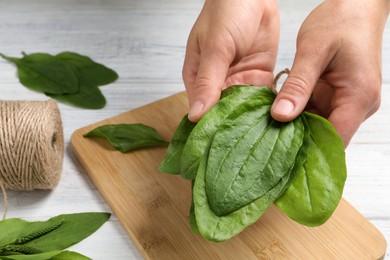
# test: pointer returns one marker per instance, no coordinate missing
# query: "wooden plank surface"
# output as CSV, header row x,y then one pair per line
x,y
153,207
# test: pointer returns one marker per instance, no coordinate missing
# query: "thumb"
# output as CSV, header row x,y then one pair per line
x,y
209,82
298,87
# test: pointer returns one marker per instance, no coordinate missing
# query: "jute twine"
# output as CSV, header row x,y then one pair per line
x,y
31,146
277,77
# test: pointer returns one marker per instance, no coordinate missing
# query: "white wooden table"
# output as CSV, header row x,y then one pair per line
x,y
144,41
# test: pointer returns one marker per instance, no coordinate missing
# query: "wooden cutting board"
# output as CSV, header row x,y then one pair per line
x,y
153,207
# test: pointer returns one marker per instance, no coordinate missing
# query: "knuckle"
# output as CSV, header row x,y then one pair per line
x,y
223,52
203,82
220,45
313,45
371,86
296,86
376,97
376,105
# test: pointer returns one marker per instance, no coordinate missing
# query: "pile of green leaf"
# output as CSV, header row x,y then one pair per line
x,y
23,240
68,77
242,161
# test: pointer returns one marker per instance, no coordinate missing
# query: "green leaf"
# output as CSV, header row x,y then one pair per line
x,y
315,193
11,229
193,225
53,255
41,256
128,137
172,159
300,159
68,77
90,75
89,97
45,73
18,231
75,228
264,91
220,228
89,72
70,255
28,239
249,155
208,125
20,249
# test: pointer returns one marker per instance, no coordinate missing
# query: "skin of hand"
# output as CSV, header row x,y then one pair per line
x,y
232,42
337,67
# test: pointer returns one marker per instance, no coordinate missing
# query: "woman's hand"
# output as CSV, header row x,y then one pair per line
x,y
232,42
337,67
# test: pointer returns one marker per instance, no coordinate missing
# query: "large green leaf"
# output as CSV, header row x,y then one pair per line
x,y
171,162
11,229
300,159
208,125
68,77
249,154
220,228
128,137
41,256
75,227
53,255
45,73
315,193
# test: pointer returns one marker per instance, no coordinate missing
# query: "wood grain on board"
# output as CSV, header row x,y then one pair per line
x,y
153,207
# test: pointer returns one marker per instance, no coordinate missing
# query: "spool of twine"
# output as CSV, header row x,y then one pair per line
x,y
31,146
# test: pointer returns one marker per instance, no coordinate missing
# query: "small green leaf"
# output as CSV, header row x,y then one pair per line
x,y
75,228
172,160
128,137
315,193
89,72
90,75
45,73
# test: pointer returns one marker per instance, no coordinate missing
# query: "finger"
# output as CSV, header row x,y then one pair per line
x,y
208,83
309,63
191,60
346,119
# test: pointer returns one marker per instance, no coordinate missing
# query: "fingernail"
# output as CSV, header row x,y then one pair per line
x,y
196,108
284,107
